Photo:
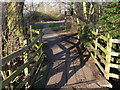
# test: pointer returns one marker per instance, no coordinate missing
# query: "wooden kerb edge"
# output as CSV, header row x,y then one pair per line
x,y
103,83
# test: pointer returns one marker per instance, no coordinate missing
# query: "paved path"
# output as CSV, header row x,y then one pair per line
x,y
68,65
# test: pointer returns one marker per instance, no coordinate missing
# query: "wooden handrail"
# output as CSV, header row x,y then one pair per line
x,y
96,46
115,40
17,72
115,54
99,36
21,84
19,52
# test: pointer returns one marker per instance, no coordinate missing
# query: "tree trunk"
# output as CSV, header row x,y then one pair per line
x,y
17,33
0,43
85,10
0,31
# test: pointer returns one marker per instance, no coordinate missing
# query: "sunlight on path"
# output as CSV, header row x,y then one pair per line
x,y
48,32
50,22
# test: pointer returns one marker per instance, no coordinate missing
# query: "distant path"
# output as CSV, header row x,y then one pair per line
x,y
48,32
68,65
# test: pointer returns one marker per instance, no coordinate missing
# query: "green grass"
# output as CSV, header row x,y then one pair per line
x,y
53,25
39,26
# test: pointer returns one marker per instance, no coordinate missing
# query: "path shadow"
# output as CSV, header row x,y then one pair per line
x,y
67,56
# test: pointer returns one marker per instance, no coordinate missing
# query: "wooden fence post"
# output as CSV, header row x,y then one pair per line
x,y
96,44
108,57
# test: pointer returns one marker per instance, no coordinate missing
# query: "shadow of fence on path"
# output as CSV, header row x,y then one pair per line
x,y
67,60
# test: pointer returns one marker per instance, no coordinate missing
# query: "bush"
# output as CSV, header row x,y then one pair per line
x,y
110,20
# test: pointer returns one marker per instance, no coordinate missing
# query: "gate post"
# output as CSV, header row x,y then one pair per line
x,y
108,57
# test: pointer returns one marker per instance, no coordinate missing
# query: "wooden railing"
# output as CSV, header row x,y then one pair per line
x,y
100,48
36,66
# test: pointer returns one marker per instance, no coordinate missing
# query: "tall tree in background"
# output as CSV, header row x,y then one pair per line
x,y
13,34
15,21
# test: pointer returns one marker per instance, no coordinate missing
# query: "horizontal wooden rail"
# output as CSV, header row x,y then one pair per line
x,y
103,37
18,71
19,52
115,40
22,83
115,54
114,65
94,33
34,31
104,54
6,81
99,36
114,75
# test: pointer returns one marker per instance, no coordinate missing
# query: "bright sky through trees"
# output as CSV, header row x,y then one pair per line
x,y
37,1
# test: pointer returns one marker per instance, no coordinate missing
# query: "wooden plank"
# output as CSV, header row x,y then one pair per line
x,y
81,84
71,78
103,83
114,75
88,73
61,78
115,54
80,77
92,85
52,75
115,40
67,44
56,49
19,52
95,70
